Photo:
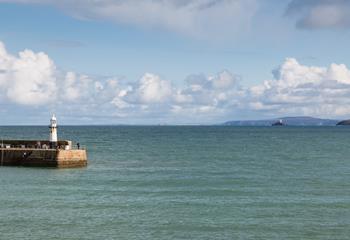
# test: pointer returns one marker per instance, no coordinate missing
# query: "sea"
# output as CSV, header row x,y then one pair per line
x,y
183,182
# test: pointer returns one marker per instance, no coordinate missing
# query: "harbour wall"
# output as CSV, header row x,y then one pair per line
x,y
34,157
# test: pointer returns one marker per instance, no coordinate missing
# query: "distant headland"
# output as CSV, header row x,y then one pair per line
x,y
289,121
344,123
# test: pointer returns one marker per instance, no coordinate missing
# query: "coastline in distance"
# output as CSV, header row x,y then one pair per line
x,y
289,121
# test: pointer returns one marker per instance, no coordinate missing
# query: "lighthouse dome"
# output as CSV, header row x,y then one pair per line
x,y
53,120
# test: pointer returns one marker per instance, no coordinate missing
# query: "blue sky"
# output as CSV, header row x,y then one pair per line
x,y
173,62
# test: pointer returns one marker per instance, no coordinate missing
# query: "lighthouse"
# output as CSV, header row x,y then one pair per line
x,y
53,131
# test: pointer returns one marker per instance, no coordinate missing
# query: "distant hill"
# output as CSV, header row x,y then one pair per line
x,y
289,121
344,123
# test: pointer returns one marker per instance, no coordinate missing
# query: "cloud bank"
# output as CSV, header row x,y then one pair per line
x,y
320,14
304,90
28,79
31,83
199,18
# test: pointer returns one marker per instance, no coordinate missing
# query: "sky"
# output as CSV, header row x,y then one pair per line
x,y
172,61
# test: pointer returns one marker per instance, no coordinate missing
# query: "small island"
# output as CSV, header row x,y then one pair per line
x,y
278,123
344,123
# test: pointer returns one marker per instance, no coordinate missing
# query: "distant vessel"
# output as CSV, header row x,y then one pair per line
x,y
43,153
279,123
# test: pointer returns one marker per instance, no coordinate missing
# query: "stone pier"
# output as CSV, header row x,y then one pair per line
x,y
29,154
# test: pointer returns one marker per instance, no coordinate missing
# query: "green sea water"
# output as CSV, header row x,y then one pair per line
x,y
184,183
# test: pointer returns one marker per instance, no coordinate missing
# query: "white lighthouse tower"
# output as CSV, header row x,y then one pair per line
x,y
53,131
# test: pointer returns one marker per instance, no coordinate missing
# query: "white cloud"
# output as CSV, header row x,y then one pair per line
x,y
201,96
203,18
152,89
223,81
304,90
70,92
28,78
214,95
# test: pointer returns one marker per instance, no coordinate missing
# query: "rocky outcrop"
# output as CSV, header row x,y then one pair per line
x,y
344,123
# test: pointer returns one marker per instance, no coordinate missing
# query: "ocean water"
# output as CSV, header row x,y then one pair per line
x,y
184,183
